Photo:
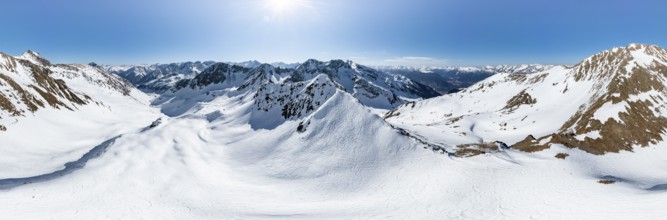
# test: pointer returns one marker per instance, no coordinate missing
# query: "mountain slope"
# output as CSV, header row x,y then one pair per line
x,y
158,78
27,87
51,113
609,102
345,162
270,143
371,87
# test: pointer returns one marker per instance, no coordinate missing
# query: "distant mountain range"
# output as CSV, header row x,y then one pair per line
x,y
372,87
453,79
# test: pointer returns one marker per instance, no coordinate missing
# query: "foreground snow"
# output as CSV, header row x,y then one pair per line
x,y
310,150
213,167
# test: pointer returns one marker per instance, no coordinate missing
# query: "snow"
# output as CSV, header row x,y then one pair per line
x,y
642,58
216,156
482,117
43,141
592,135
610,110
191,168
31,56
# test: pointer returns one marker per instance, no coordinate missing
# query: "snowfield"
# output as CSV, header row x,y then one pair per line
x,y
199,167
213,171
312,150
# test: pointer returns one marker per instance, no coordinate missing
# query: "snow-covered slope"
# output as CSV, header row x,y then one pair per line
x,y
28,86
158,78
346,164
336,160
52,113
611,101
273,143
373,88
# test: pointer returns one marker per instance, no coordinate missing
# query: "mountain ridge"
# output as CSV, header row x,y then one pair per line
x,y
576,106
373,88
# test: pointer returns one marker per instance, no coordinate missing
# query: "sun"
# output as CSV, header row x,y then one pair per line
x,y
284,8
282,5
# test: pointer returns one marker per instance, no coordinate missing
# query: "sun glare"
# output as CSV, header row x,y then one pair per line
x,y
282,5
283,8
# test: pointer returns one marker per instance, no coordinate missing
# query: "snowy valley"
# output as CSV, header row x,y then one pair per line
x,y
334,140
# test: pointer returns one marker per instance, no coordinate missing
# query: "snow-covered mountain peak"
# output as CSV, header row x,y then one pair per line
x,y
34,57
249,63
310,64
31,53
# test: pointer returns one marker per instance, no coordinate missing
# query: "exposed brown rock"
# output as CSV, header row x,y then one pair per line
x,y
52,91
28,99
538,79
7,105
523,98
519,78
471,150
9,63
530,144
562,155
606,182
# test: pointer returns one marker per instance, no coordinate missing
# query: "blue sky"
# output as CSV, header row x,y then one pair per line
x,y
374,32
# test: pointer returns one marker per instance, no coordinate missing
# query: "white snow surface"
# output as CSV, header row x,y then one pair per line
x,y
482,114
200,167
610,111
211,161
43,141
